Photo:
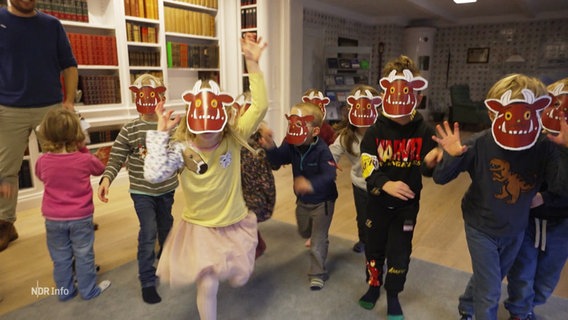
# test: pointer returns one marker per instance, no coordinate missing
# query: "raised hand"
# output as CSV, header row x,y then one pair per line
x,y
165,121
450,140
252,46
562,137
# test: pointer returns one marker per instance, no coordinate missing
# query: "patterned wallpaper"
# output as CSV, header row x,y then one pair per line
x,y
543,44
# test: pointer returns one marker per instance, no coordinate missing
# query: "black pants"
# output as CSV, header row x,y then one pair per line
x,y
389,233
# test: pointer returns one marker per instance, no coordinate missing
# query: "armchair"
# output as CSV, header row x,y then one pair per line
x,y
464,110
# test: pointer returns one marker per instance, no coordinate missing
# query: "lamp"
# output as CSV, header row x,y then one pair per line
x,y
464,1
515,58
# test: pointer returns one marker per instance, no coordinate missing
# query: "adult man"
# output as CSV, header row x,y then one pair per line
x,y
34,53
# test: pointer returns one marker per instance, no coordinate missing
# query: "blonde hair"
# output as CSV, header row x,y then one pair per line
x,y
516,83
400,63
564,81
309,108
60,129
345,129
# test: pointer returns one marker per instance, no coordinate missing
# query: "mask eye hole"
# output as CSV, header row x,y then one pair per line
x,y
198,103
508,115
392,90
358,106
405,90
527,115
141,94
152,94
214,103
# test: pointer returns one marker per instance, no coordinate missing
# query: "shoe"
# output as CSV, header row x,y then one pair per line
x,y
529,316
316,284
397,317
7,234
465,316
103,285
359,247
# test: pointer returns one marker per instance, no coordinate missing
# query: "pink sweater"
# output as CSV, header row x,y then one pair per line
x,y
68,194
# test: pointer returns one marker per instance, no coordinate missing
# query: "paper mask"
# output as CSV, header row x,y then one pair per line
x,y
317,98
516,124
400,93
297,128
147,97
363,108
206,112
550,117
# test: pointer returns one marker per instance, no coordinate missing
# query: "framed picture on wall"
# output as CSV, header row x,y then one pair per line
x,y
477,55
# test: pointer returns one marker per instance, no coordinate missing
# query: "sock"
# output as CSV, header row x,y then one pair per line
x,y
150,295
393,305
369,299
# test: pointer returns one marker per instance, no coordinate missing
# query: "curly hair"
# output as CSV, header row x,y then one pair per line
x,y
60,130
516,83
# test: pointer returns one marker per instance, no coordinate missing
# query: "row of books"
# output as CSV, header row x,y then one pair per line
x,y
92,49
345,79
182,55
138,32
189,22
74,10
99,89
204,3
248,18
135,74
247,2
141,8
25,176
103,135
143,58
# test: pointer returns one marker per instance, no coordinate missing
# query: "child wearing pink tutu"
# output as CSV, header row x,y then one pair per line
x,y
217,236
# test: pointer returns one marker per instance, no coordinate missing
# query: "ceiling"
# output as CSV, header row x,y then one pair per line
x,y
442,12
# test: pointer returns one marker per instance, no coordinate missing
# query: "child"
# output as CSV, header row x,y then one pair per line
x,y
363,102
544,250
327,134
259,189
152,201
507,165
314,182
217,236
65,168
395,153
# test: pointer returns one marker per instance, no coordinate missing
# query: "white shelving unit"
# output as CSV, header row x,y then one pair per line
x,y
108,18
346,67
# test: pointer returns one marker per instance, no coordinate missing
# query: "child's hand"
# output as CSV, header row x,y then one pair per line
x,y
450,141
266,140
398,189
302,186
103,189
537,200
433,157
252,46
562,137
165,122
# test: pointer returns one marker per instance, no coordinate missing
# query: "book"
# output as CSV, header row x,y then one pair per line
x,y
339,80
332,63
345,63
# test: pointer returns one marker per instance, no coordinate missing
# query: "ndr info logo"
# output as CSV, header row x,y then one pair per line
x,y
48,291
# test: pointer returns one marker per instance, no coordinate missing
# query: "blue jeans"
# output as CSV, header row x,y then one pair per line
x,y
67,240
491,259
535,273
155,217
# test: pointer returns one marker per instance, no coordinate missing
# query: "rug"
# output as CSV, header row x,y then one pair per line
x,y
279,289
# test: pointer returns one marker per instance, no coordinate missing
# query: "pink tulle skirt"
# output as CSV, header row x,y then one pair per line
x,y
192,250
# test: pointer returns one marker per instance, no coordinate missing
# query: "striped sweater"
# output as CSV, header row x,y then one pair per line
x,y
130,148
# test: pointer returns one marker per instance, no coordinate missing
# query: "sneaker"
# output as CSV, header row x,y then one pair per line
x,y
465,316
529,316
103,285
359,247
316,284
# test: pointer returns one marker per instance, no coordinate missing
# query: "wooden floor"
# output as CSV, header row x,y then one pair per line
x,y
439,236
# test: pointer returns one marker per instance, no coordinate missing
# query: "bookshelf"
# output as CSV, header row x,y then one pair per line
x,y
248,22
114,42
344,68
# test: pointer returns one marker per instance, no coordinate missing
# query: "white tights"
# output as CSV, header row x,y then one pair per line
x,y
207,287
